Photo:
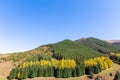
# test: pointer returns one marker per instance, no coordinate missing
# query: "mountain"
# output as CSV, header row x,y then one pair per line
x,y
83,48
63,49
57,59
21,56
113,41
98,45
70,49
116,44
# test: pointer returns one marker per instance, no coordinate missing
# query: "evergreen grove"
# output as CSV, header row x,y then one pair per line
x,y
115,57
64,68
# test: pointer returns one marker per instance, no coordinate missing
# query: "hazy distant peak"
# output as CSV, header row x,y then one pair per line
x,y
113,41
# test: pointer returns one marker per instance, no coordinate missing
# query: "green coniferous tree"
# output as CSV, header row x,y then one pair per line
x,y
40,72
29,71
32,72
74,72
80,70
96,69
45,70
117,76
50,71
24,73
88,70
13,74
58,73
67,73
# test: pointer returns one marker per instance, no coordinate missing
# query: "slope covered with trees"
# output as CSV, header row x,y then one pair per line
x,y
64,68
68,49
21,56
98,45
82,48
63,49
64,59
116,44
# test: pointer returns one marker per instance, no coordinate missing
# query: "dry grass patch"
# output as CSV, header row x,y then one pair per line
x,y
5,69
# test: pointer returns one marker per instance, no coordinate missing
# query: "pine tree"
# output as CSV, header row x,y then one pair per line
x,y
117,76
96,69
40,72
45,70
80,70
66,73
24,73
32,72
88,70
74,72
13,74
58,73
50,71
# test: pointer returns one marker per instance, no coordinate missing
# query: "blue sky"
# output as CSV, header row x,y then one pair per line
x,y
26,24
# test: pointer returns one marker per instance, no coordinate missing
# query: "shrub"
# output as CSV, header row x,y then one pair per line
x,y
99,78
91,76
111,74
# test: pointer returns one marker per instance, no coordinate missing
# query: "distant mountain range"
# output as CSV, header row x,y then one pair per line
x,y
113,41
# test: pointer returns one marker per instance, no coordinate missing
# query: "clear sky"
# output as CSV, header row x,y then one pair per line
x,y
26,24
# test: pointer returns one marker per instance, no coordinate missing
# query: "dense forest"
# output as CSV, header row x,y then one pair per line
x,y
99,45
37,66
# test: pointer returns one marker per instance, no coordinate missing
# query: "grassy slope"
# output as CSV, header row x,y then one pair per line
x,y
21,56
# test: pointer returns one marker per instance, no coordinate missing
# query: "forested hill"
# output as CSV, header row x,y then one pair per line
x,y
116,44
64,59
98,45
70,49
85,47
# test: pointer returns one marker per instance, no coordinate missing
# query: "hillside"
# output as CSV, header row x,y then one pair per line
x,y
5,69
69,49
80,57
79,48
116,44
66,47
21,56
98,45
63,49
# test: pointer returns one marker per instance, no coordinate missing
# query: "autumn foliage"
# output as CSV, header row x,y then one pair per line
x,y
59,68
97,64
43,68
115,57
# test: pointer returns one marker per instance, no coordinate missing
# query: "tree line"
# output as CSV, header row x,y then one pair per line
x,y
64,68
